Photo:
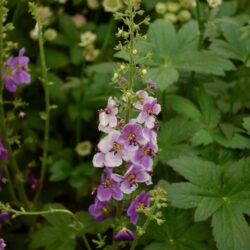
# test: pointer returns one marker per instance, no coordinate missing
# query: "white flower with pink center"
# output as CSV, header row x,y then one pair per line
x,y
112,151
149,111
107,116
142,97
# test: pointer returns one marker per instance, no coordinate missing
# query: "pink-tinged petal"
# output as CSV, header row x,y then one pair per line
x,y
103,194
111,102
98,160
141,117
128,155
127,188
10,85
21,77
116,177
113,160
104,145
105,129
156,109
142,176
117,194
112,121
147,163
21,52
150,121
103,117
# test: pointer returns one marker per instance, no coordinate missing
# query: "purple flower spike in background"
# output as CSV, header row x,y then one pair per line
x,y
2,244
148,113
101,210
15,72
4,216
4,155
124,235
141,201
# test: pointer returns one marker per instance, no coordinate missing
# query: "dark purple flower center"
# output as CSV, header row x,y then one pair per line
x,y
108,111
132,138
149,111
131,178
107,183
148,151
116,148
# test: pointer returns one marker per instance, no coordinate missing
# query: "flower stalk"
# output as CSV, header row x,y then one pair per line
x,y
12,162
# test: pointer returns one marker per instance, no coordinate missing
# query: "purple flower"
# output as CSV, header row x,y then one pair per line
x,y
114,151
15,72
142,97
99,160
141,201
22,116
2,180
101,210
148,113
107,116
2,244
133,175
124,235
4,216
149,135
131,136
143,156
34,182
152,85
4,155
108,188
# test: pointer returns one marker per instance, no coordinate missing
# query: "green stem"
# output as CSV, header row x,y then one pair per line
x,y
200,23
131,58
12,162
50,211
106,40
45,83
145,226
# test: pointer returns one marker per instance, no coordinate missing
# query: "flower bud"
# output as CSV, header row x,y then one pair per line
x,y
135,51
170,17
214,3
43,14
93,4
124,235
184,15
91,55
112,5
144,71
173,7
188,3
22,116
160,8
79,20
83,148
152,85
50,34
87,39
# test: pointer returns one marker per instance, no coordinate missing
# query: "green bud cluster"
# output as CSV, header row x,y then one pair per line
x,y
174,12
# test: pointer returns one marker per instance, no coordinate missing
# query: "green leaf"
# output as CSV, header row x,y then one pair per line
x,y
230,229
223,194
57,235
184,107
56,58
171,137
60,170
177,51
178,232
201,173
246,124
202,137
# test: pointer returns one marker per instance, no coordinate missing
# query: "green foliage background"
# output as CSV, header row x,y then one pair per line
x,y
204,141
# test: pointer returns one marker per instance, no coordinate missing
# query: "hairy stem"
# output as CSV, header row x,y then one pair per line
x,y
145,226
45,83
12,162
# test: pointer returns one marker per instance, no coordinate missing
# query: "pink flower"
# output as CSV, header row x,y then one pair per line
x,y
142,97
149,111
107,116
